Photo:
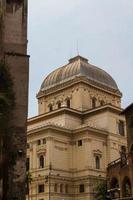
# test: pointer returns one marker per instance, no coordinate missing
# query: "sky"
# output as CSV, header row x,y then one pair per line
x,y
103,30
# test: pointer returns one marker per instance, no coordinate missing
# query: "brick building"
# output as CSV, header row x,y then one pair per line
x,y
13,53
120,171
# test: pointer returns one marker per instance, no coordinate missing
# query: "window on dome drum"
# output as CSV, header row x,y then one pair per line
x,y
41,161
55,187
50,108
93,102
97,161
28,145
61,188
68,103
40,188
81,188
27,164
79,142
59,104
121,130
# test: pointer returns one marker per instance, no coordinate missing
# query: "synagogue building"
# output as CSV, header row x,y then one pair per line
x,y
78,131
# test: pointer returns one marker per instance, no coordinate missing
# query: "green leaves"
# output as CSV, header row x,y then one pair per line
x,y
29,177
101,190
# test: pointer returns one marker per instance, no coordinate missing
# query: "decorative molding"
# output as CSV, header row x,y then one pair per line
x,y
60,148
97,153
41,149
66,84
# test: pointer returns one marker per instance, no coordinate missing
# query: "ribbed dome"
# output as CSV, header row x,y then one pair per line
x,y
79,66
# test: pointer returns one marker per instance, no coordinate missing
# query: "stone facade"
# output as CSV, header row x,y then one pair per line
x,y
13,51
120,172
75,135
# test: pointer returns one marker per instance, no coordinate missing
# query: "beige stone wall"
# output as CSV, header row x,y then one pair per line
x,y
70,161
106,120
73,164
80,96
62,120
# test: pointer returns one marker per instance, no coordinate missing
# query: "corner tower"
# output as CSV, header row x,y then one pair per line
x,y
13,52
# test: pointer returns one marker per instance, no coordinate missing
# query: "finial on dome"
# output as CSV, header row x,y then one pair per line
x,y
78,57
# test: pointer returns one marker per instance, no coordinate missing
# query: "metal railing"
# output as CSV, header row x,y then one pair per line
x,y
124,198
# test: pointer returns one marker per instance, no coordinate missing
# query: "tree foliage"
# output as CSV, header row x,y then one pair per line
x,y
6,94
101,190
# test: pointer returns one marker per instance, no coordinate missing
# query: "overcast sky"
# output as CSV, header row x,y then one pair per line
x,y
103,29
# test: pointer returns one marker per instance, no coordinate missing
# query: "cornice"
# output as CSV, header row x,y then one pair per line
x,y
74,112
96,130
48,126
65,130
107,107
75,80
120,137
16,54
57,112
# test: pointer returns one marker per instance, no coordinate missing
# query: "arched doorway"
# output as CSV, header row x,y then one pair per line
x,y
126,187
114,188
114,183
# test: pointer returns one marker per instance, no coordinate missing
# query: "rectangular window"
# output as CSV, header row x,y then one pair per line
x,y
39,142
41,188
79,142
121,128
81,188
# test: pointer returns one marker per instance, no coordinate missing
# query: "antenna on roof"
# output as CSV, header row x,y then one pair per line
x,y
77,47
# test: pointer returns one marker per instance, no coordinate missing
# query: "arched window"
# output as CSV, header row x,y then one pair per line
x,y
93,102
59,104
126,187
121,127
41,161
97,160
61,188
55,188
68,103
81,188
50,108
114,185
